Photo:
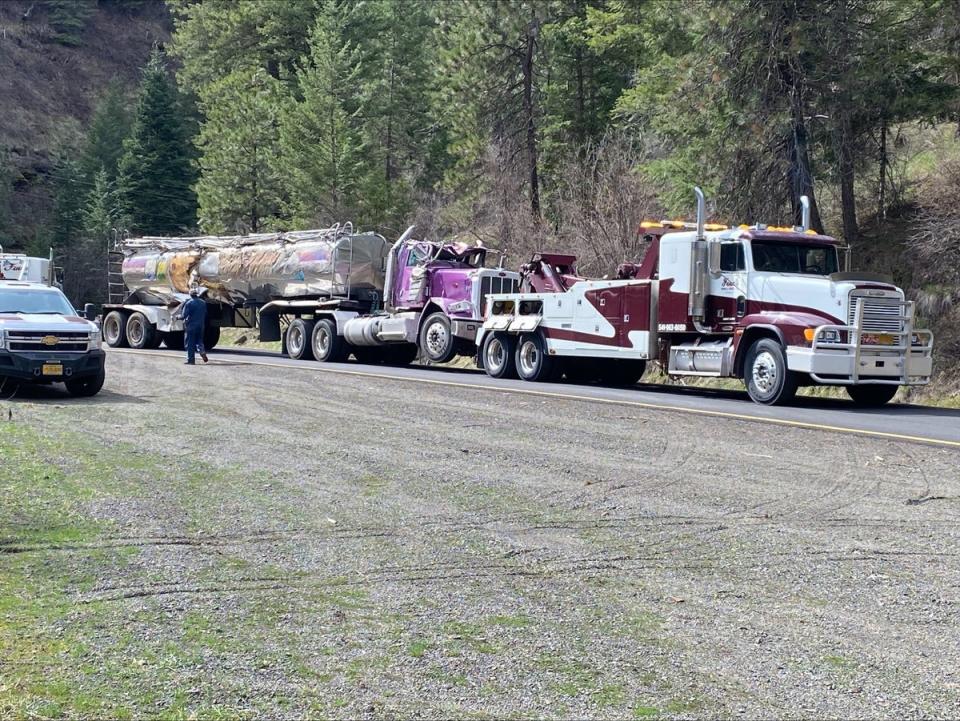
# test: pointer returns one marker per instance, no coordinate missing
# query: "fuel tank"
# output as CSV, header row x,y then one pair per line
x,y
258,268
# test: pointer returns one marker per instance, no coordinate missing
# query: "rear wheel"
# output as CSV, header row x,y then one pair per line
x,y
299,339
211,336
327,346
436,338
766,376
499,355
533,362
86,386
115,329
141,333
872,396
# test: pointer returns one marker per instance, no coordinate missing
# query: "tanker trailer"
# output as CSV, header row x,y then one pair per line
x,y
294,273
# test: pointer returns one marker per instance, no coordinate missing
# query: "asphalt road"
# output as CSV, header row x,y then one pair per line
x,y
938,426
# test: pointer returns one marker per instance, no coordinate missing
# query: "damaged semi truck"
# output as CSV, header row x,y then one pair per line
x,y
326,294
763,304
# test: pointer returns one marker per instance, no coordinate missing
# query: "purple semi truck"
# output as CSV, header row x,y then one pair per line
x,y
325,293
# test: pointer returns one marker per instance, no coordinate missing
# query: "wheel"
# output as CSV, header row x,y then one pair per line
x,y
299,339
115,329
872,396
401,354
174,339
533,362
499,359
326,345
86,386
436,339
211,336
141,333
622,372
766,376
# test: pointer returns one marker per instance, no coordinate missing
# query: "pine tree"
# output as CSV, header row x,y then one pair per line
x,y
241,186
6,191
319,141
157,171
69,192
101,212
108,129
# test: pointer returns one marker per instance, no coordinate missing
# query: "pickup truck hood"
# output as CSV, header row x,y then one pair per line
x,y
41,322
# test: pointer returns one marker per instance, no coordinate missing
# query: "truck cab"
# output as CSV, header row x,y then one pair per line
x,y
44,340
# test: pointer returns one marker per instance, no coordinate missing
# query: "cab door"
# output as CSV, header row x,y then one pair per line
x,y
728,287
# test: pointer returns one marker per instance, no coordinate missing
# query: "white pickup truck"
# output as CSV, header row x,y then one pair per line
x,y
42,338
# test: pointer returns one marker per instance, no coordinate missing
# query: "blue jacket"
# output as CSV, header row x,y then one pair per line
x,y
194,314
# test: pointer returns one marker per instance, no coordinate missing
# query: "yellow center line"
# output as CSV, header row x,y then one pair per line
x,y
320,368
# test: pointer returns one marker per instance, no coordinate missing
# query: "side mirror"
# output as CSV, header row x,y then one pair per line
x,y
713,258
89,311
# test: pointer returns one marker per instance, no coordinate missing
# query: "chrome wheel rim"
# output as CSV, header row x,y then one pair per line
x,y
135,331
496,354
112,330
295,340
321,342
529,357
437,339
765,373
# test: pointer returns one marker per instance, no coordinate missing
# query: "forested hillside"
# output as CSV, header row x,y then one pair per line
x,y
526,124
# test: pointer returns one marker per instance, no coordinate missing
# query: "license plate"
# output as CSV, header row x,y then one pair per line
x,y
878,339
52,369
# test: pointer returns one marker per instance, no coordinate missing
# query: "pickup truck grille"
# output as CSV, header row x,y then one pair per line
x,y
880,315
41,341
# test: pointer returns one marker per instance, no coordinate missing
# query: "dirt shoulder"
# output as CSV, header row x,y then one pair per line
x,y
248,541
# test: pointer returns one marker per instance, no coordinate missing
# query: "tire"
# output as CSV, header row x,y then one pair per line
x,y
436,339
872,396
174,339
531,358
499,355
622,372
402,354
211,336
86,386
141,333
115,329
300,339
765,373
326,345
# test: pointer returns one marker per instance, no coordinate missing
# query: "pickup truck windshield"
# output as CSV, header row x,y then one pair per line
x,y
22,300
790,258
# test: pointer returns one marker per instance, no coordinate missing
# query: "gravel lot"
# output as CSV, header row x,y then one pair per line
x,y
226,540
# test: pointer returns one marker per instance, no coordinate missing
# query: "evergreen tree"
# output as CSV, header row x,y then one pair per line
x,y
156,170
108,129
6,191
101,212
241,186
319,142
69,193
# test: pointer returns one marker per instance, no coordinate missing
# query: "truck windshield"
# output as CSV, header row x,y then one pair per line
x,y
794,258
22,300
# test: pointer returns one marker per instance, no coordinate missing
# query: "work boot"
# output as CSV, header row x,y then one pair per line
x,y
204,356
189,363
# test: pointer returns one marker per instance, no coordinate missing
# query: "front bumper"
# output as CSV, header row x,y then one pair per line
x,y
909,361
29,366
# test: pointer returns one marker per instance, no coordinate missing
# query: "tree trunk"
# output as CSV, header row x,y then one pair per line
x,y
801,179
848,203
528,110
882,195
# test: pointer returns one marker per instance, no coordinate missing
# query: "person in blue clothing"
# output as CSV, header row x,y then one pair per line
x,y
194,314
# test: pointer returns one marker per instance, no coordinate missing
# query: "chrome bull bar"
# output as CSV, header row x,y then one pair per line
x,y
911,348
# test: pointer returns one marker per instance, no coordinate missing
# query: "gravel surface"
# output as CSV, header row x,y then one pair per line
x,y
290,543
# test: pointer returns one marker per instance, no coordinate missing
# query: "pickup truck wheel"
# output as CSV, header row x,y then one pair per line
x,y
174,339
141,333
872,396
115,329
499,355
327,346
86,386
211,336
300,339
533,362
436,338
766,376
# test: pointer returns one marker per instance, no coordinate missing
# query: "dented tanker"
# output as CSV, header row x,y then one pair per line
x,y
324,293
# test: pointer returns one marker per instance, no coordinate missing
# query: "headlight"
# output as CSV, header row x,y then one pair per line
x,y
829,336
3,338
915,339
96,339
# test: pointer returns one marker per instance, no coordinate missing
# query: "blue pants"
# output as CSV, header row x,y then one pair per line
x,y
194,343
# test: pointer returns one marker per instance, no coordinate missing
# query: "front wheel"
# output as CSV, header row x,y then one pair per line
x,y
872,396
533,361
327,346
765,373
115,329
436,339
87,386
499,359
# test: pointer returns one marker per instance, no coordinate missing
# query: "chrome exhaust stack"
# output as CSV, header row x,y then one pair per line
x,y
701,212
804,213
696,299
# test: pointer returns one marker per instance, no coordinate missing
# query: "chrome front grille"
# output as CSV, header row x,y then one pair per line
x,y
880,315
47,342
